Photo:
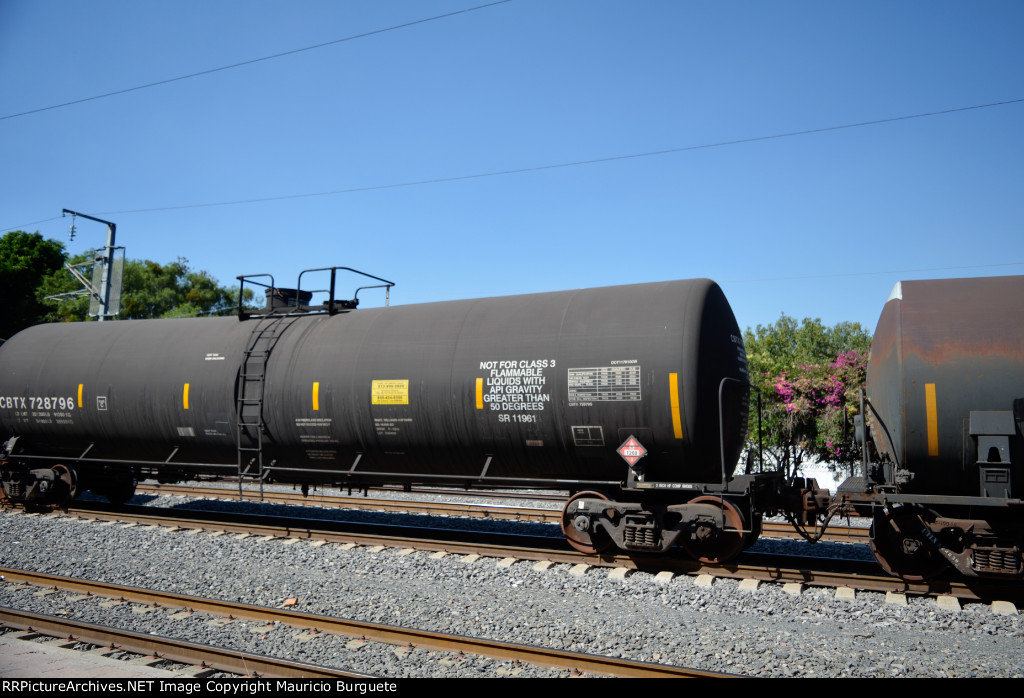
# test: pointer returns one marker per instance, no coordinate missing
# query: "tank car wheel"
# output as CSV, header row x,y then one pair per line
x,y
118,490
900,547
584,540
714,547
67,476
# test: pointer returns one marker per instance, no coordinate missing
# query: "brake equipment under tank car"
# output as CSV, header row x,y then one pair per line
x,y
945,404
633,397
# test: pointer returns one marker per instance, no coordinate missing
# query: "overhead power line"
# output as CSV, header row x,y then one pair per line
x,y
23,226
539,168
871,273
576,163
254,60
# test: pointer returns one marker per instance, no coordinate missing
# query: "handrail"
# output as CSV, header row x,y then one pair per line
x,y
721,419
331,306
334,271
241,286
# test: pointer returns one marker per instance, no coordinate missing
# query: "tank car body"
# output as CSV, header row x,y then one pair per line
x,y
945,392
636,394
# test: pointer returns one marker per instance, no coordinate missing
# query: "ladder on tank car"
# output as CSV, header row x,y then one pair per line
x,y
284,307
252,381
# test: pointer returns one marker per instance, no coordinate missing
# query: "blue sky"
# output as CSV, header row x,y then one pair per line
x,y
814,225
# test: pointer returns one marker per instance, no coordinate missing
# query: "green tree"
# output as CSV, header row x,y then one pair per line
x,y
149,290
808,375
25,259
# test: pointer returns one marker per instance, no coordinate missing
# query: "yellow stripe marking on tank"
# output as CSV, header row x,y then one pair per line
x,y
80,386
316,396
932,418
673,391
479,393
184,397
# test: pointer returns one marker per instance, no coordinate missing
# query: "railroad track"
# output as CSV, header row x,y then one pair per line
x,y
435,508
579,664
835,534
763,567
203,657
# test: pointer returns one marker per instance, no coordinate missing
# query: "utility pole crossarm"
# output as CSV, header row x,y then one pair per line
x,y
102,294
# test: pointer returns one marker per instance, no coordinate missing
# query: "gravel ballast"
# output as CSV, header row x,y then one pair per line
x,y
766,632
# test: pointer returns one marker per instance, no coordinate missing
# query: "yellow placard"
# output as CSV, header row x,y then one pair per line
x,y
389,392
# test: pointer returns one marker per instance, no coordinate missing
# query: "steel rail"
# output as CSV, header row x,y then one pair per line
x,y
554,496
583,663
835,534
194,654
853,574
490,511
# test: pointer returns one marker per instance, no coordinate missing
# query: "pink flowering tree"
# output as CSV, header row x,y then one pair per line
x,y
808,376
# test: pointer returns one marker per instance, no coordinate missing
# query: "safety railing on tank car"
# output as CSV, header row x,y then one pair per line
x,y
721,423
242,314
332,306
862,436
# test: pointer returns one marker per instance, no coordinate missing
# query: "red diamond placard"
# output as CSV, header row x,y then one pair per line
x,y
631,450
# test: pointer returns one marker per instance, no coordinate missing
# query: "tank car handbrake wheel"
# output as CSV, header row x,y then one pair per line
x,y
576,526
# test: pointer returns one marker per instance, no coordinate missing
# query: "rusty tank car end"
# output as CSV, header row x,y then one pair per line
x,y
945,402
